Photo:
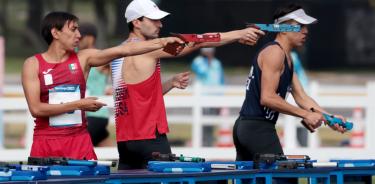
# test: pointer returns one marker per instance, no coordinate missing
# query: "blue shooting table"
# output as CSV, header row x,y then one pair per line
x,y
143,176
338,174
72,179
239,176
313,174
344,172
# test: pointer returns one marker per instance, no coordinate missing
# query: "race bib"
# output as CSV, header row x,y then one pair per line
x,y
63,94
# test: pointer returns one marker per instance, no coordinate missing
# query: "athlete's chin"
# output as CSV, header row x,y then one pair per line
x,y
71,49
300,44
155,36
150,37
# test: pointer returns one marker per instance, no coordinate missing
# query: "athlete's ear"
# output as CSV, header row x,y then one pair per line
x,y
55,33
136,23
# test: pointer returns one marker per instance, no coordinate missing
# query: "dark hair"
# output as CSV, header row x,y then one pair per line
x,y
131,26
285,10
55,20
88,29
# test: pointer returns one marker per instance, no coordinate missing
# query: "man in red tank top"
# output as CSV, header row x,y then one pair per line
x,y
54,84
141,123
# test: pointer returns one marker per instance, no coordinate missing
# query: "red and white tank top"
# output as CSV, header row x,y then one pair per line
x,y
139,108
61,83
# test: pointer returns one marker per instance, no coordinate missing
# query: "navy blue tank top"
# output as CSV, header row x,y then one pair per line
x,y
251,107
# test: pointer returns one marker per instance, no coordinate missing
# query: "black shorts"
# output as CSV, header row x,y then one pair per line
x,y
136,154
97,128
253,136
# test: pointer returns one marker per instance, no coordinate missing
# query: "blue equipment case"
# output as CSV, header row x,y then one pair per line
x,y
163,166
59,170
101,170
232,165
28,175
355,163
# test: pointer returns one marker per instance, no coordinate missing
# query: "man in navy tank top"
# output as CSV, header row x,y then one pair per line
x,y
271,78
54,84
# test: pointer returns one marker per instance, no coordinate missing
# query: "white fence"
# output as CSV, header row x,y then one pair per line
x,y
199,97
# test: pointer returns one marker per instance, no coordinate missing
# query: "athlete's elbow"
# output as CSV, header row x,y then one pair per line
x,y
265,101
35,112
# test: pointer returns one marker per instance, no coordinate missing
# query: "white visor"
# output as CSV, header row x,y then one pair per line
x,y
299,15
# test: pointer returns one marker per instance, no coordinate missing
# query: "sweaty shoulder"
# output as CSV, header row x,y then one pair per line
x,y
30,62
271,55
30,68
85,53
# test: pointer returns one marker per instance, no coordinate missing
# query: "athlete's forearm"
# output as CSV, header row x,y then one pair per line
x,y
275,102
225,38
307,103
136,48
46,110
167,86
103,57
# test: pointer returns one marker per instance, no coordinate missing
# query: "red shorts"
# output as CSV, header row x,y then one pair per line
x,y
73,146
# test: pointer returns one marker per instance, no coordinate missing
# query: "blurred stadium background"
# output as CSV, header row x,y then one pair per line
x,y
339,57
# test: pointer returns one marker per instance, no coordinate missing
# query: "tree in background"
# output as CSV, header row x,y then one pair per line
x,y
32,31
101,23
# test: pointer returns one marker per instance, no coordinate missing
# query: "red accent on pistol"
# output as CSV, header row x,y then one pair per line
x,y
176,48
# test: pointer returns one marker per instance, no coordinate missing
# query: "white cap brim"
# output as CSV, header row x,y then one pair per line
x,y
299,15
157,15
305,19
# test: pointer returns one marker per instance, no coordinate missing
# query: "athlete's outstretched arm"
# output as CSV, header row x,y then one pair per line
x,y
95,57
247,36
31,87
180,81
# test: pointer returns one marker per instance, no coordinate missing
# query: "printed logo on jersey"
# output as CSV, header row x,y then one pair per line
x,y
73,67
269,113
47,71
48,79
